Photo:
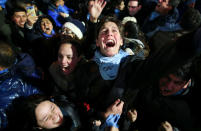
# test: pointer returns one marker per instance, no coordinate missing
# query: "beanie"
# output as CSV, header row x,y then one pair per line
x,y
76,26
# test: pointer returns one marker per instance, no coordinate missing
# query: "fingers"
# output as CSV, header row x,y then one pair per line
x,y
102,3
117,102
132,115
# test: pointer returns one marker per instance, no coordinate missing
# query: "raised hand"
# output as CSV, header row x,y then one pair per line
x,y
96,10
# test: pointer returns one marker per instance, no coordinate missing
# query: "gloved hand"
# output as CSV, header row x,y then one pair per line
x,y
112,120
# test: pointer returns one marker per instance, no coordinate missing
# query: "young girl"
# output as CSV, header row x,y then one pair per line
x,y
44,113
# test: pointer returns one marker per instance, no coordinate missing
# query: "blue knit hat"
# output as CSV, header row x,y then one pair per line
x,y
76,26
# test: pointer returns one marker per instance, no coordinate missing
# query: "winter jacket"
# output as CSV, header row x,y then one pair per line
x,y
54,13
157,22
2,3
12,84
11,87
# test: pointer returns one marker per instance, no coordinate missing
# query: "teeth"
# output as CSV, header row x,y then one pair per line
x,y
109,41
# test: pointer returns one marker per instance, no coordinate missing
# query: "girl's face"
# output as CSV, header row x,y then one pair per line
x,y
46,26
67,58
48,115
109,39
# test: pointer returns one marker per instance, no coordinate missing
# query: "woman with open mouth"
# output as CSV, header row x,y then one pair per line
x,y
62,70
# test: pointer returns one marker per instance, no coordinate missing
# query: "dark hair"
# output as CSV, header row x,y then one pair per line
x,y
184,71
21,115
139,1
110,19
7,55
191,19
30,105
132,29
37,25
16,9
68,40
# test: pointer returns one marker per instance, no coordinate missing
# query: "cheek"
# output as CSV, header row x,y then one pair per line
x,y
16,20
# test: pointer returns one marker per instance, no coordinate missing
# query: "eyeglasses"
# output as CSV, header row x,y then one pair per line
x,y
133,7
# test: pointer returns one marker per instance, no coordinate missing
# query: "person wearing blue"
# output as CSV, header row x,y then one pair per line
x,y
59,12
163,18
43,28
12,82
2,4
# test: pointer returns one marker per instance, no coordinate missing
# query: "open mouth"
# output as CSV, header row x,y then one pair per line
x,y
47,28
110,43
65,68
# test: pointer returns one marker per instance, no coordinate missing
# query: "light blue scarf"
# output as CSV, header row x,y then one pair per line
x,y
109,66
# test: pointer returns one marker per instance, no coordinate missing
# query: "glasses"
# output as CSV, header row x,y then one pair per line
x,y
133,7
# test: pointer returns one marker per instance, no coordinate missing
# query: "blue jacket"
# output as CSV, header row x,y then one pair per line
x,y
13,86
54,13
156,22
2,3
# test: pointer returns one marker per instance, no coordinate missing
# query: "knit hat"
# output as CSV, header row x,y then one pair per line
x,y
76,26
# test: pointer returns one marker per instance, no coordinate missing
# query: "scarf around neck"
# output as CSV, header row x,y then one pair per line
x,y
48,36
109,66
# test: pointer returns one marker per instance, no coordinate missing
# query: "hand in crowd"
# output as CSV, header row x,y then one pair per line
x,y
64,15
132,115
115,108
31,19
165,126
96,10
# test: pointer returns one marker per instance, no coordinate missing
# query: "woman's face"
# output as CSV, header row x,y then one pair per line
x,y
109,39
48,115
46,26
67,58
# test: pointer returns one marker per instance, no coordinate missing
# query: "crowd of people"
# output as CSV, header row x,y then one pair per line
x,y
100,65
